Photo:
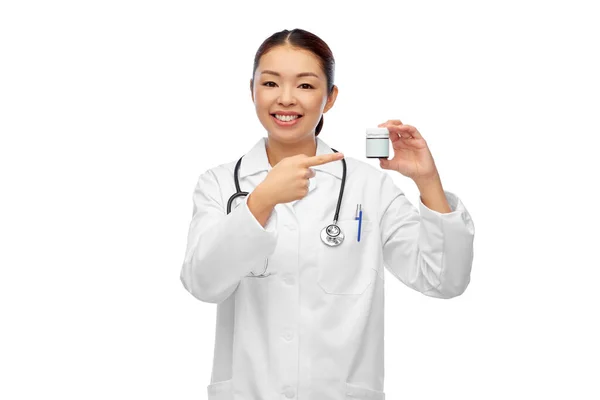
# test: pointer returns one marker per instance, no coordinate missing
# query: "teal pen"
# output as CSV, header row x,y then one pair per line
x,y
359,218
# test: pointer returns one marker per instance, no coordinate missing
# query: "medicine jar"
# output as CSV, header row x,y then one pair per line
x,y
378,140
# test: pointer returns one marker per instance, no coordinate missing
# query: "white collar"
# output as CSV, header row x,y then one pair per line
x,y
256,160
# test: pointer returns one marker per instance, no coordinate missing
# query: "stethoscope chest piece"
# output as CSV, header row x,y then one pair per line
x,y
332,235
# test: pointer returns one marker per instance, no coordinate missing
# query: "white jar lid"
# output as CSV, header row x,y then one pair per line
x,y
377,133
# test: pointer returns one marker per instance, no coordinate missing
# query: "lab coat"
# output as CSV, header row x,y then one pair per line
x,y
313,329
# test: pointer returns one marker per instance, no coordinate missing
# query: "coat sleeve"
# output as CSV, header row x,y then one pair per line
x,y
223,248
429,251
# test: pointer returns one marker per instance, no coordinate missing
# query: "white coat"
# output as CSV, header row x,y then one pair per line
x,y
313,329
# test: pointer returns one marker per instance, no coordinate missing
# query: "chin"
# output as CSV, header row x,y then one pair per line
x,y
287,136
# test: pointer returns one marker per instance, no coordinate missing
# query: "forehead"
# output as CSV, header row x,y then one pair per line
x,y
289,61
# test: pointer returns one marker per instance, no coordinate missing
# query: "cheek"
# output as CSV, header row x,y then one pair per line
x,y
262,96
259,98
311,103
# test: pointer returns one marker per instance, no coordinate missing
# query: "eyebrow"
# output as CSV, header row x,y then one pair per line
x,y
297,76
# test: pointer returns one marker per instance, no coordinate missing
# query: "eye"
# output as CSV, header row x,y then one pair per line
x,y
267,84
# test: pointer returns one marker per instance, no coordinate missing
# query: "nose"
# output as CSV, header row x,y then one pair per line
x,y
286,96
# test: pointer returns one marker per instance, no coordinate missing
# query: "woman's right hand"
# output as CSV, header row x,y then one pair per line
x,y
288,179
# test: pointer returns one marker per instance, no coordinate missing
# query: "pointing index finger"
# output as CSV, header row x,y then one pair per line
x,y
323,159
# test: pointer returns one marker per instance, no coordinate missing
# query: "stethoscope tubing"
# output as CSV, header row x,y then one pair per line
x,y
239,193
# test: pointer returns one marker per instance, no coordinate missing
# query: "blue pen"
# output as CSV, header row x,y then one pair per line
x,y
359,218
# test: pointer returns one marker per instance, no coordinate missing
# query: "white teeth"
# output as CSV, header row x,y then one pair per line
x,y
286,118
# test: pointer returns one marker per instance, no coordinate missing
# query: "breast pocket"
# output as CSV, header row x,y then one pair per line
x,y
346,268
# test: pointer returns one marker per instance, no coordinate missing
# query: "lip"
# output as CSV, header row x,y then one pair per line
x,y
285,113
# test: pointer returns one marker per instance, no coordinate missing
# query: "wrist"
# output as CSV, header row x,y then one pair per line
x,y
263,196
424,183
260,206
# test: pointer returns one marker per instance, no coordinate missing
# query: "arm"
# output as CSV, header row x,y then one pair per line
x,y
223,248
429,251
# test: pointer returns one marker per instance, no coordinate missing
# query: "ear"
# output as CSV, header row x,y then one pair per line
x,y
331,99
252,89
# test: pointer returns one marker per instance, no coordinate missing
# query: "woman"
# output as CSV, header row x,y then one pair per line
x,y
297,318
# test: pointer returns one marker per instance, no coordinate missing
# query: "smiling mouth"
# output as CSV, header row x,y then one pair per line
x,y
287,118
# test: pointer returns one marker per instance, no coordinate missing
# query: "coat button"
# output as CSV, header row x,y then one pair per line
x,y
289,393
289,280
288,335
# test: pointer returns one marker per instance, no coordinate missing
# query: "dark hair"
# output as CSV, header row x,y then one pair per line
x,y
307,41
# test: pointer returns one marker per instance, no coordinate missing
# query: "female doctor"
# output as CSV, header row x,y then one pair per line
x,y
300,298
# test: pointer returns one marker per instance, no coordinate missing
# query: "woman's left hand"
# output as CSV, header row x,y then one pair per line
x,y
412,157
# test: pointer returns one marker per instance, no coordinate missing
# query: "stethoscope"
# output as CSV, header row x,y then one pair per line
x,y
331,235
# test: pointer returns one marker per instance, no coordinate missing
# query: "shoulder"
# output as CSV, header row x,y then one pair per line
x,y
214,182
219,172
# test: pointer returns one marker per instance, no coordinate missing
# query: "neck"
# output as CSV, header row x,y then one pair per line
x,y
277,151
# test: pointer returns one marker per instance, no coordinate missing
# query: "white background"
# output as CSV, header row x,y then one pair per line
x,y
109,112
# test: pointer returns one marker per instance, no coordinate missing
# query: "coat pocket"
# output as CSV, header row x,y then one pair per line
x,y
220,390
359,392
347,268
